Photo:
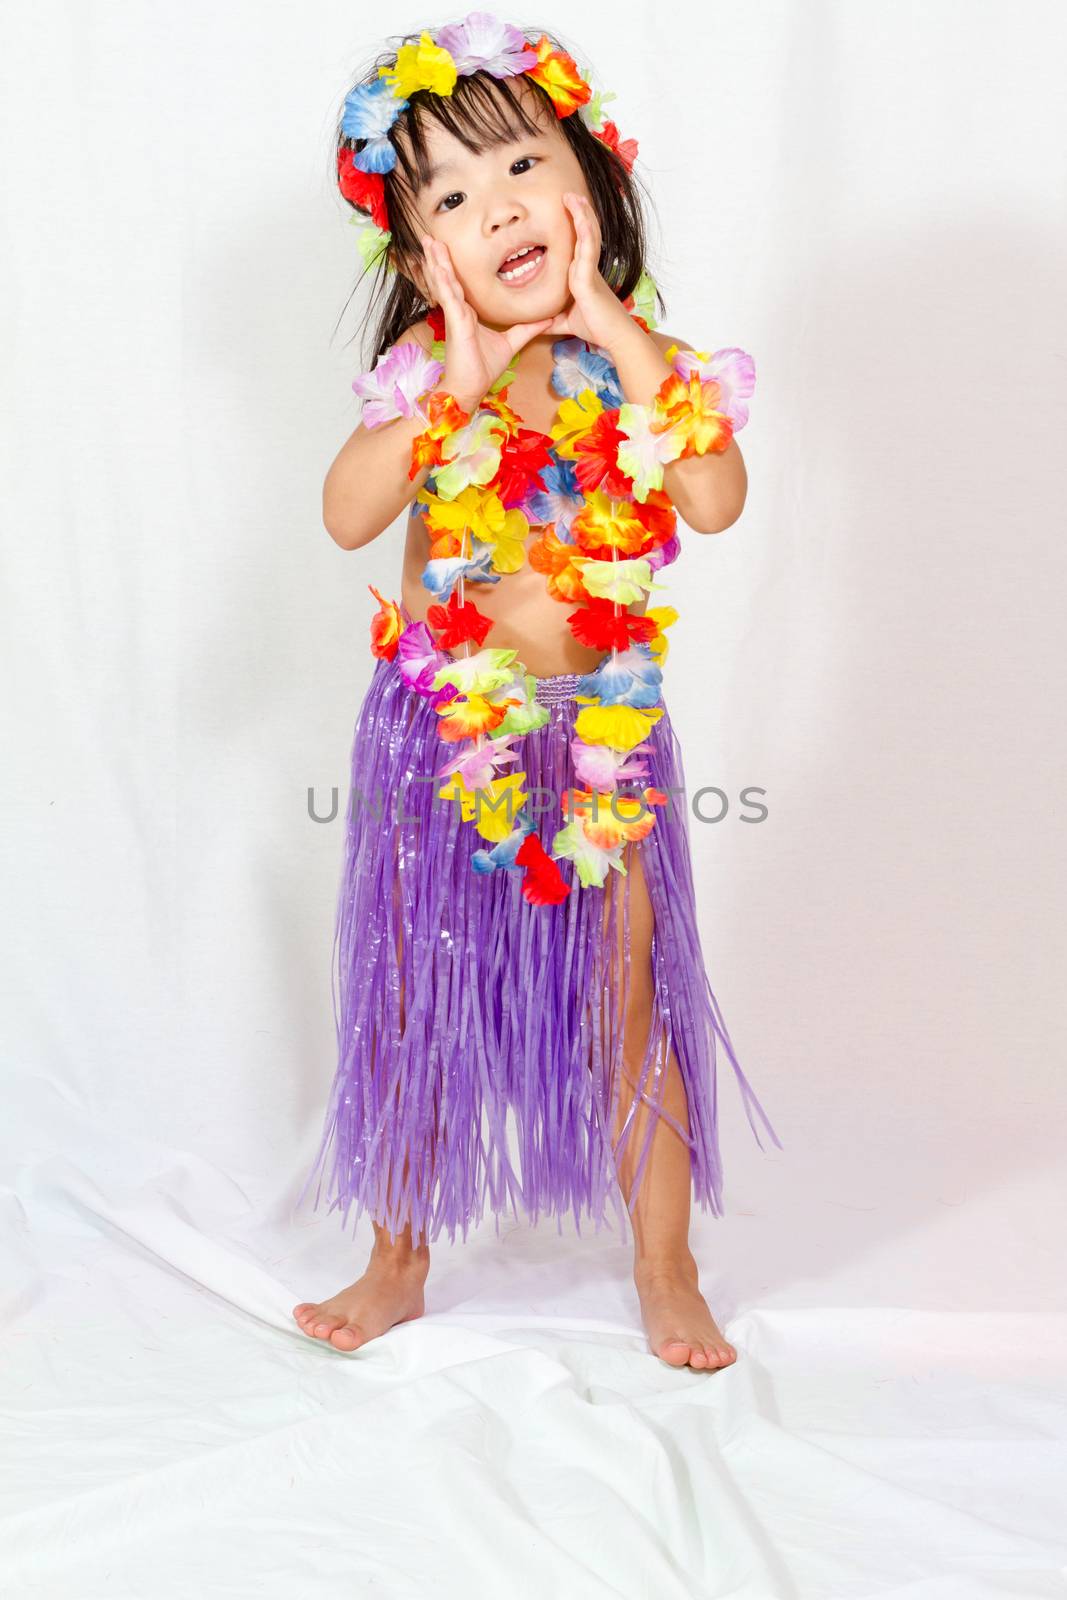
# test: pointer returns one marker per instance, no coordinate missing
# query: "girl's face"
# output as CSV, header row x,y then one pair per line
x,y
485,207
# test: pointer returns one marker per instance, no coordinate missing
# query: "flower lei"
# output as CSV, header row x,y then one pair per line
x,y
480,43
597,478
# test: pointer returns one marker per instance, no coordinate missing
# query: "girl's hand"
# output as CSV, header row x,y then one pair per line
x,y
596,313
475,355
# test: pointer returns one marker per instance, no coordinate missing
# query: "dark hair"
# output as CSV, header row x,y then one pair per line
x,y
483,111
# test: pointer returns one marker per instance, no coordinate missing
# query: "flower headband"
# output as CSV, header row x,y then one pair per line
x,y
480,43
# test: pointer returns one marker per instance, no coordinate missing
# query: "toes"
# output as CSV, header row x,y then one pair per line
x,y
328,1325
348,1337
698,1356
675,1352
306,1316
322,1327
720,1355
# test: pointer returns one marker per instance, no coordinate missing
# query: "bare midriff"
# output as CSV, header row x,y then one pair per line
x,y
525,617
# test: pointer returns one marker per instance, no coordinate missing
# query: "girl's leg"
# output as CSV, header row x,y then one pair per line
x,y
390,1291
678,1322
391,1288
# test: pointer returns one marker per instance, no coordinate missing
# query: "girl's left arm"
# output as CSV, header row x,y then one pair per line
x,y
708,491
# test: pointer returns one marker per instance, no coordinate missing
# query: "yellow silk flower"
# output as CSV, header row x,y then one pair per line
x,y
619,727
576,417
494,815
604,521
421,66
484,514
664,617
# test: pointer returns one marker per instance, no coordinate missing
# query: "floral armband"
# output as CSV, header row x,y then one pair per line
x,y
396,383
444,416
397,386
696,411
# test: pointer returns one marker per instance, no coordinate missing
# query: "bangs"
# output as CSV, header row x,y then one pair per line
x,y
482,112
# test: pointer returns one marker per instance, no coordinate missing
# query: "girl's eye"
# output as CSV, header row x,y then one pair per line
x,y
456,195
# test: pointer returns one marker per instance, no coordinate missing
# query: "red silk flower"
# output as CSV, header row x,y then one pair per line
x,y
364,189
595,452
597,625
625,149
453,623
542,882
522,456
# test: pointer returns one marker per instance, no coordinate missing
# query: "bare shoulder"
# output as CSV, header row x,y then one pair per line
x,y
419,333
665,340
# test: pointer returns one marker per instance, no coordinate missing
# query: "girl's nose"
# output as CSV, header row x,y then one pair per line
x,y
502,215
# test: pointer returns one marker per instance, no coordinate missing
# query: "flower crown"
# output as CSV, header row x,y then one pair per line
x,y
480,43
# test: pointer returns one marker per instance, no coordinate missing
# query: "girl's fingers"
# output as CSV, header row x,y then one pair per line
x,y
450,283
440,278
448,272
444,286
445,296
592,222
588,239
442,282
586,244
428,269
521,333
458,314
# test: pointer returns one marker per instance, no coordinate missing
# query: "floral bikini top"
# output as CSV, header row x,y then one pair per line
x,y
596,483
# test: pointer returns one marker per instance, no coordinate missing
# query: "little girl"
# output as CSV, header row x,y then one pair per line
x,y
524,1020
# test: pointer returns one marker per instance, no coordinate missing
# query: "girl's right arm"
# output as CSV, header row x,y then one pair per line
x,y
368,486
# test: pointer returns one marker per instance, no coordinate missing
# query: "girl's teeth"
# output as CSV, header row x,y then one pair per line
x,y
523,266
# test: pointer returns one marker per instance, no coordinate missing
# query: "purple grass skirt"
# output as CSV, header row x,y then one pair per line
x,y
458,1004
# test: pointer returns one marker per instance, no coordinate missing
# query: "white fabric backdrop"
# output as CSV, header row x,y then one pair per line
x,y
869,197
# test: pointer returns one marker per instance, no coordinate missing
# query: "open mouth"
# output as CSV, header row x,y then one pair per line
x,y
522,267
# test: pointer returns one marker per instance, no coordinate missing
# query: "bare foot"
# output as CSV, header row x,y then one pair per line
x,y
388,1292
680,1327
